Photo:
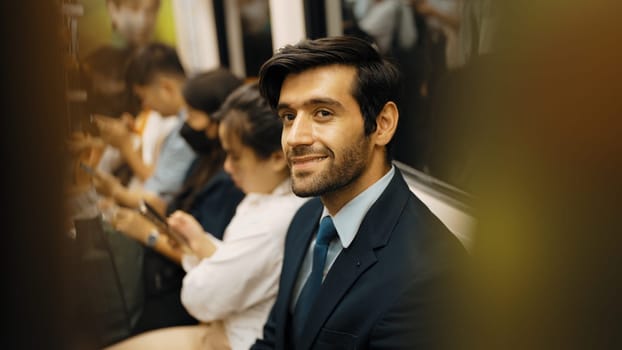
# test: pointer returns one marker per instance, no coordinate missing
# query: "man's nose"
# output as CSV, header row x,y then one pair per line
x,y
300,132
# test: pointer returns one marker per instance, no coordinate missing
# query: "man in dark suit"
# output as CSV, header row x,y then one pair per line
x,y
366,264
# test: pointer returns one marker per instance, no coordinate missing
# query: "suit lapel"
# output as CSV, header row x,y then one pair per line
x,y
374,232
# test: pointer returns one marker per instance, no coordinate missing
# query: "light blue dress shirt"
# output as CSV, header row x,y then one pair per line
x,y
347,222
175,158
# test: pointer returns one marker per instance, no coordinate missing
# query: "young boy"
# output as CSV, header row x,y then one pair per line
x,y
157,77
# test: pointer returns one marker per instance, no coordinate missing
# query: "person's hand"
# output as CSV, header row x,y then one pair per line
x,y
114,132
187,226
108,208
80,142
132,224
81,148
106,184
129,120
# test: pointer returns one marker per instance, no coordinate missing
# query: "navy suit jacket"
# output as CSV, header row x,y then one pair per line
x,y
389,289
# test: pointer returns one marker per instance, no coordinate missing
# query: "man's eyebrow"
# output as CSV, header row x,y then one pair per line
x,y
313,102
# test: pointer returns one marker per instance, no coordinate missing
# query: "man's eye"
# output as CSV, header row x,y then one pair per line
x,y
323,113
288,117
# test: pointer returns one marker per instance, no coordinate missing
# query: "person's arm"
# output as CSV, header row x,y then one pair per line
x,y
134,159
247,268
81,143
134,225
116,133
82,148
132,198
109,186
198,240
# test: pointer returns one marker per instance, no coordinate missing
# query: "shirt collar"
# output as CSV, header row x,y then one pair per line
x,y
283,189
348,220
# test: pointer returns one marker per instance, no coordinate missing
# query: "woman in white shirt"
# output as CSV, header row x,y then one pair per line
x,y
231,284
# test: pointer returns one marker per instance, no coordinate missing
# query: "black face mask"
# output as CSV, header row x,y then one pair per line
x,y
197,139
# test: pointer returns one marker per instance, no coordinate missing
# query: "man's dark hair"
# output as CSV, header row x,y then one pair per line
x,y
247,114
377,82
208,90
152,60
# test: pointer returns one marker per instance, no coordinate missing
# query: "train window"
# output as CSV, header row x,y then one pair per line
x,y
244,34
256,35
429,43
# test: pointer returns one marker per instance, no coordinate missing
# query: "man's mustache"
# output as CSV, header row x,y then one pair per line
x,y
301,151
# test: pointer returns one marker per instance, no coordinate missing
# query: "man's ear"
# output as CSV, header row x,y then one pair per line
x,y
386,123
278,161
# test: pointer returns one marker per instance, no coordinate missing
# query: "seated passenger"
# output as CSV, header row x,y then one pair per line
x,y
157,77
232,283
208,193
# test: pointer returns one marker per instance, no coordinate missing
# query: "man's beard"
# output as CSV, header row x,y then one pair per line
x,y
333,177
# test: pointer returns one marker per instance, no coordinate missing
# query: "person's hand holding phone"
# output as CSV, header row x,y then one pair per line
x,y
81,142
198,240
131,223
177,240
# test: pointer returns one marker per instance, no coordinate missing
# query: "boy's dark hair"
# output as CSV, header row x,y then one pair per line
x,y
377,82
152,60
207,91
247,114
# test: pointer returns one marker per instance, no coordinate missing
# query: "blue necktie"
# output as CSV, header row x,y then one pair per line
x,y
325,234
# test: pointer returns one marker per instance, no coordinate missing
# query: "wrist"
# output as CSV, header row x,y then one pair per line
x,y
152,238
204,247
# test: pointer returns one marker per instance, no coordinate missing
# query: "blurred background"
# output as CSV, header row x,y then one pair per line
x,y
510,115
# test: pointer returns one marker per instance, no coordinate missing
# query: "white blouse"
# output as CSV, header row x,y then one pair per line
x,y
239,282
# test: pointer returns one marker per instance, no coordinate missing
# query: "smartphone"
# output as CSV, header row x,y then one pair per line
x,y
147,210
160,221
